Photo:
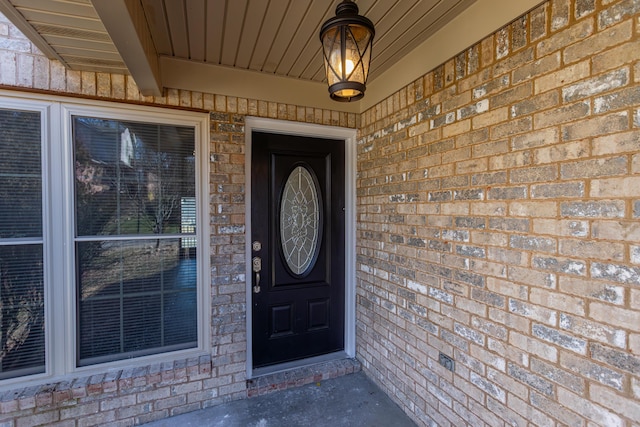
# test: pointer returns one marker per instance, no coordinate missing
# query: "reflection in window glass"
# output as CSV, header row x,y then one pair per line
x,y
131,177
135,297
22,323
20,174
134,183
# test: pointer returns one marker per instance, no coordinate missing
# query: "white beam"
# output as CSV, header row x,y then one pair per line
x,y
208,78
126,24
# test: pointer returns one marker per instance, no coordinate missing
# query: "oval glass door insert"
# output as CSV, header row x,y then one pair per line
x,y
300,221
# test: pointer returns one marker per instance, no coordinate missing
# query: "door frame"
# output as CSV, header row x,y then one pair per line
x,y
317,131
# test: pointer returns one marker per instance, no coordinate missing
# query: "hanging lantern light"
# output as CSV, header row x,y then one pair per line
x,y
346,46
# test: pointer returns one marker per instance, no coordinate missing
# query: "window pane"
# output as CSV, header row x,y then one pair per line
x,y
22,310
20,174
136,298
22,343
131,177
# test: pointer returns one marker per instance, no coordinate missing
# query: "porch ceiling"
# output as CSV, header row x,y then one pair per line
x,y
227,45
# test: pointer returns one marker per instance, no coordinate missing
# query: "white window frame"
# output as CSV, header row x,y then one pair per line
x,y
58,226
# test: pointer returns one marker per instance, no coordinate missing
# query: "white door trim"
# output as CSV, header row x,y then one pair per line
x,y
318,131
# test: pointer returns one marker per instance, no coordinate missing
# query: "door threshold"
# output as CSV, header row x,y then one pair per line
x,y
295,374
287,366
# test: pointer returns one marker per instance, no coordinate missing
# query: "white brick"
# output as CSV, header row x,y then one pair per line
x,y
596,85
561,228
415,286
8,68
588,409
534,346
635,387
617,230
619,404
558,301
628,319
616,187
594,331
25,65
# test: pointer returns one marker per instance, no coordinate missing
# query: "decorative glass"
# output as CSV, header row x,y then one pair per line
x,y
300,221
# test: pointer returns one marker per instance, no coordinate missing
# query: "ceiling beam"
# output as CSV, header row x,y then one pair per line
x,y
126,24
208,78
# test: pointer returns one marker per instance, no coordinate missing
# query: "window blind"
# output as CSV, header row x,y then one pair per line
x,y
22,323
136,279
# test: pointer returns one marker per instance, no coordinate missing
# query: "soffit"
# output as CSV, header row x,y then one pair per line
x,y
162,43
281,37
275,37
67,30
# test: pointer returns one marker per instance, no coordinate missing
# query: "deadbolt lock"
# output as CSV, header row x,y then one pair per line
x,y
256,263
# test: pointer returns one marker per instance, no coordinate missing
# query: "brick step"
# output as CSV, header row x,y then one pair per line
x,y
300,376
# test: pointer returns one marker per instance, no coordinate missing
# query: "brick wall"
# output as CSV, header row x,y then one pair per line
x,y
145,393
498,224
498,218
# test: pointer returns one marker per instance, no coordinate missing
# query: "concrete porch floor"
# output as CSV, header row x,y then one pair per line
x,y
348,400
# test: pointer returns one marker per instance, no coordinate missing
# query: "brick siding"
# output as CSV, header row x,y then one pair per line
x,y
497,223
137,395
498,206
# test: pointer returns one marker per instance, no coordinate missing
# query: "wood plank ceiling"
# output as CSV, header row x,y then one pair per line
x,y
281,36
275,37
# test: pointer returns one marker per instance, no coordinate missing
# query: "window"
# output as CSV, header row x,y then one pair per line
x,y
115,198
136,290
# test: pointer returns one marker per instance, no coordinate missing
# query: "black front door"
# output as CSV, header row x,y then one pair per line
x,y
298,253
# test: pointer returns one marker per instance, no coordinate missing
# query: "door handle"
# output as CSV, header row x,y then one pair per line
x,y
256,286
256,266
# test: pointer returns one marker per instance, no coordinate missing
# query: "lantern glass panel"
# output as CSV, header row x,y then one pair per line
x,y
356,56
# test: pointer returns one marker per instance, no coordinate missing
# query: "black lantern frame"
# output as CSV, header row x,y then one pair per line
x,y
346,47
